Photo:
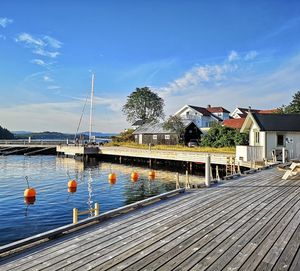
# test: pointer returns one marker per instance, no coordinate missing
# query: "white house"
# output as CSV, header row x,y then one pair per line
x,y
218,111
268,134
199,115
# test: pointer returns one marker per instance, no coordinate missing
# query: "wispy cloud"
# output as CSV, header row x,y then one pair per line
x,y
42,52
233,56
251,55
54,43
4,22
47,78
40,45
39,62
53,87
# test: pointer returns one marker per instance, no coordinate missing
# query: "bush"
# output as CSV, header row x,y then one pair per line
x,y
220,136
125,136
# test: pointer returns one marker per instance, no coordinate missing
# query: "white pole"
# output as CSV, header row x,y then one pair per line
x,y
207,171
283,155
91,108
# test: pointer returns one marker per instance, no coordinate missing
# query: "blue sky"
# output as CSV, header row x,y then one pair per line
x,y
223,53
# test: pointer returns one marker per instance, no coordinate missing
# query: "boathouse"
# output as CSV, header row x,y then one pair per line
x,y
155,133
268,135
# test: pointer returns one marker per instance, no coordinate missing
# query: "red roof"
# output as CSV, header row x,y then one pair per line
x,y
234,123
217,109
268,111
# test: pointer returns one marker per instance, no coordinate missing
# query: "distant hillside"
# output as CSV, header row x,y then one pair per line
x,y
57,136
5,134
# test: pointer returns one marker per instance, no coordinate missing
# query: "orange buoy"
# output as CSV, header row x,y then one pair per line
x,y
112,178
29,200
72,189
151,174
72,184
29,192
134,176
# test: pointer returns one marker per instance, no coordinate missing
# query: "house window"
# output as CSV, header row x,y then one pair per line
x,y
154,136
280,140
256,137
167,136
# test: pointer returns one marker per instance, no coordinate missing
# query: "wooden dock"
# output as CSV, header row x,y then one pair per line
x,y
251,223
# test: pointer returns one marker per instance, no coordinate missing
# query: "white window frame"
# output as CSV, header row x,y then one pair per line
x,y
167,137
154,137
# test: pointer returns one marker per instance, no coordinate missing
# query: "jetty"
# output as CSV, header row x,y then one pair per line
x,y
250,223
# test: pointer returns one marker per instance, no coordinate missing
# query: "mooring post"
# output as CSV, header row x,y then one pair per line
x,y
97,208
207,171
75,215
187,181
283,155
177,180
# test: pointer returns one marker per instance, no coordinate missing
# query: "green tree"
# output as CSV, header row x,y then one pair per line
x,y
143,104
175,124
5,134
125,136
221,136
293,107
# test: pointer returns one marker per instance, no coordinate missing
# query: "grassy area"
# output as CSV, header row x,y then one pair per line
x,y
172,147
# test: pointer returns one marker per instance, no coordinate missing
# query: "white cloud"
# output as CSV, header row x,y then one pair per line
x,y
5,21
42,52
53,87
47,78
251,55
52,42
30,40
39,62
233,56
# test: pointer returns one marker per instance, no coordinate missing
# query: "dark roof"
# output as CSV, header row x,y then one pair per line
x,y
278,122
201,110
157,128
246,110
217,109
204,112
138,123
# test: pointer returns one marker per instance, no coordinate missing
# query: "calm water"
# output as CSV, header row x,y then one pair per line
x,y
53,205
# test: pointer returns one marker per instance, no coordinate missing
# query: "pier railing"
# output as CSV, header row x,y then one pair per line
x,y
37,142
249,153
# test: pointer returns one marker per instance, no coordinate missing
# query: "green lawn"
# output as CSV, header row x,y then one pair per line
x,y
172,147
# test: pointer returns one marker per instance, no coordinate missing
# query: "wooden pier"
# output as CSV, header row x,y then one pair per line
x,y
250,223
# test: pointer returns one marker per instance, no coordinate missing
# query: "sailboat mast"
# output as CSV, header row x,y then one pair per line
x,y
91,108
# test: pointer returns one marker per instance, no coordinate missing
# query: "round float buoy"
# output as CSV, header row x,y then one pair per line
x,y
134,176
112,178
151,174
72,189
72,184
29,200
29,192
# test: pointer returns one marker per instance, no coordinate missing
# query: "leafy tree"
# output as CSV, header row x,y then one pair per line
x,y
175,124
221,136
293,107
143,104
5,134
125,136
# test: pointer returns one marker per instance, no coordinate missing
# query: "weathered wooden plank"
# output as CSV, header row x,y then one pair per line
x,y
224,253
296,262
286,258
151,253
135,246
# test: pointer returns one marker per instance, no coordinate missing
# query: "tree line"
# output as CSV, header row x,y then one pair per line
x,y
5,134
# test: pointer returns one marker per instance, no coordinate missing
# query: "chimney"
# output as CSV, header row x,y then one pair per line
x,y
208,106
249,110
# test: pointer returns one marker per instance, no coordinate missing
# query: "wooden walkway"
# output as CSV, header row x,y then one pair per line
x,y
251,223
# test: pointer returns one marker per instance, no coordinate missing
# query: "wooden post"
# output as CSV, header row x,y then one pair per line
x,y
187,181
239,168
217,173
177,181
211,173
283,155
207,171
150,163
75,215
120,159
97,209
191,167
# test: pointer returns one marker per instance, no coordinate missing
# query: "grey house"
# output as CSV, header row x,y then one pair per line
x,y
154,133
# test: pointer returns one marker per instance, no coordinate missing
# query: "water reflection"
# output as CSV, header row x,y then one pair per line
x,y
49,176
